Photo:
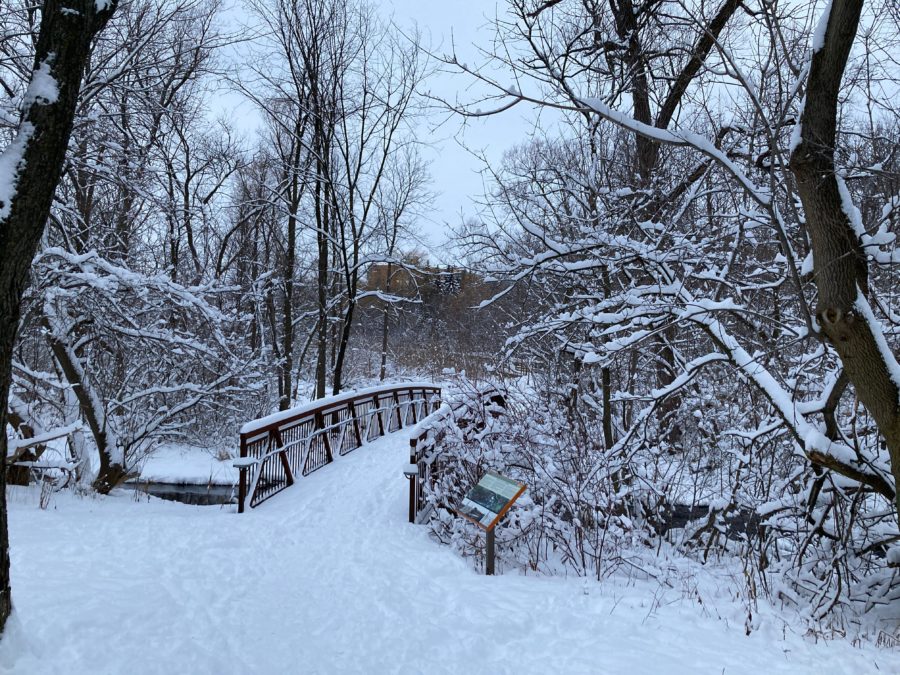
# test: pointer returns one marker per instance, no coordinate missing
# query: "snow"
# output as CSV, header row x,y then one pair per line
x,y
807,266
11,163
187,465
274,418
797,131
325,580
893,556
428,422
864,309
849,208
818,40
815,440
680,137
40,439
43,88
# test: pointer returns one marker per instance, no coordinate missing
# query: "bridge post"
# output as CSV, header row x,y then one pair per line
x,y
413,479
489,552
319,423
399,416
242,481
359,440
285,464
378,415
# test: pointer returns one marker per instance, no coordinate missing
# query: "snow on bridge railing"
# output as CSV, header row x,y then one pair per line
x,y
274,449
424,439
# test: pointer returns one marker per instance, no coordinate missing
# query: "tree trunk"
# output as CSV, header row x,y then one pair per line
x,y
322,288
16,474
840,268
342,347
112,471
62,50
286,364
385,323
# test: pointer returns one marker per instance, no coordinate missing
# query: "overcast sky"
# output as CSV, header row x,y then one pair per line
x,y
448,142
459,24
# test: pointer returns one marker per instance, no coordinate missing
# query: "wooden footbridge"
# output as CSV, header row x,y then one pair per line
x,y
277,449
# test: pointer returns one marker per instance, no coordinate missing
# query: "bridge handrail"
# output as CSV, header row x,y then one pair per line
x,y
280,445
285,416
424,438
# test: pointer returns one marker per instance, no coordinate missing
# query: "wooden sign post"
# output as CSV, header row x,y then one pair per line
x,y
485,504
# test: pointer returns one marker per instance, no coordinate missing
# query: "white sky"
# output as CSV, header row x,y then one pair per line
x,y
448,142
462,24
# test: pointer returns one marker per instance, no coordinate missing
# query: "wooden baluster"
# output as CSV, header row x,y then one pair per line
x,y
285,464
356,423
378,415
397,408
320,425
242,485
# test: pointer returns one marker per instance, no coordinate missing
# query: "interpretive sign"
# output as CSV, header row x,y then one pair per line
x,y
490,499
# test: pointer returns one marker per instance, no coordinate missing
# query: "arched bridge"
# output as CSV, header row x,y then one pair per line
x,y
276,449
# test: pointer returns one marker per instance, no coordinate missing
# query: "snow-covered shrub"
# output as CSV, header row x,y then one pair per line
x,y
576,515
728,494
130,359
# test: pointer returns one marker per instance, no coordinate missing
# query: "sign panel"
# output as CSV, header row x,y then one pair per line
x,y
490,499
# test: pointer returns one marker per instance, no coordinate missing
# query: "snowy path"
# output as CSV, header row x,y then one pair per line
x,y
328,577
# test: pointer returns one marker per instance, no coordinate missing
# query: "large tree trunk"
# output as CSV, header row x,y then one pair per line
x,y
63,48
840,268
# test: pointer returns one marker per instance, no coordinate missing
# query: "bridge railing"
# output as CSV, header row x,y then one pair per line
x,y
274,450
424,451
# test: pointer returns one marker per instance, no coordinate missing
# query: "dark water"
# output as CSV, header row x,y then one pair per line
x,y
739,522
200,495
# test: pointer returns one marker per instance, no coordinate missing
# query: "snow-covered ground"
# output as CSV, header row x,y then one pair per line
x,y
187,464
328,577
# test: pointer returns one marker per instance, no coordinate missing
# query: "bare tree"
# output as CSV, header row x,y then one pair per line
x,y
32,164
337,103
693,242
835,228
378,97
404,190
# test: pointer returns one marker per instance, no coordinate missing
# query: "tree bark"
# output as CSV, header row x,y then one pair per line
x,y
286,364
346,327
840,267
62,51
385,322
321,288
